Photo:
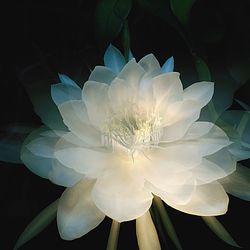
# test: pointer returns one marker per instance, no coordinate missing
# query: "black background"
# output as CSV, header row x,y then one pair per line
x,y
60,36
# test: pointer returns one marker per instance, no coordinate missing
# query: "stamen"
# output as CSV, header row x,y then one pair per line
x,y
133,129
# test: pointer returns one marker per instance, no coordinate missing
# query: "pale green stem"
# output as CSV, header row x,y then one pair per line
x,y
167,222
219,230
113,236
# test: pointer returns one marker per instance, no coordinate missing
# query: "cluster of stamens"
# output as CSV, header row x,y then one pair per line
x,y
133,128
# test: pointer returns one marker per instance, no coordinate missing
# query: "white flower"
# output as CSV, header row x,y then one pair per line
x,y
132,132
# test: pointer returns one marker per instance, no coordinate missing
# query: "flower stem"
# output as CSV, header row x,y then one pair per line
x,y
113,236
219,230
167,222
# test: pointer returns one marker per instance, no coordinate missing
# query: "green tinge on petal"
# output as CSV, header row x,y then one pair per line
x,y
167,222
113,236
219,230
40,222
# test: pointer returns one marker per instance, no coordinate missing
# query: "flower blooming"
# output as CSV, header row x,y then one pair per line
x,y
132,132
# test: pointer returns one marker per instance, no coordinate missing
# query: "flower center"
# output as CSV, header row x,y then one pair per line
x,y
133,128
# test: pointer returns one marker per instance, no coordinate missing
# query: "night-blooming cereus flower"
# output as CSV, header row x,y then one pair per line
x,y
132,132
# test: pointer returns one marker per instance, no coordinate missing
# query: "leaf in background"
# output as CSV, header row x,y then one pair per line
x,y
202,69
37,83
40,222
110,18
181,9
159,8
219,230
237,54
11,139
224,89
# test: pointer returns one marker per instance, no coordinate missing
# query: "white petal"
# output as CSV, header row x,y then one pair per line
x,y
238,183
146,233
207,200
63,176
224,160
121,195
132,73
61,93
178,119
75,117
168,66
213,141
95,97
150,65
77,213
102,74
119,94
208,172
43,146
83,160
178,190
114,59
198,129
167,86
38,155
38,165
200,92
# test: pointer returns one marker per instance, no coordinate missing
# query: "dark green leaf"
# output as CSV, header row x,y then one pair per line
x,y
110,18
181,9
159,8
40,222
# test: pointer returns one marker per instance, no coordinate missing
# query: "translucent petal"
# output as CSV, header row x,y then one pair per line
x,y
77,213
238,183
207,200
38,156
82,160
75,117
178,118
95,97
63,176
213,141
121,195
146,233
179,192
62,93
43,146
67,80
150,64
166,87
198,129
114,59
168,66
132,73
208,172
200,92
102,74
38,165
